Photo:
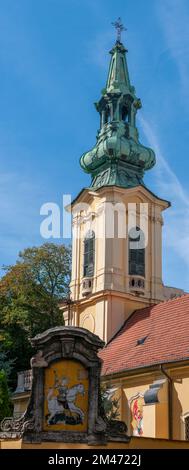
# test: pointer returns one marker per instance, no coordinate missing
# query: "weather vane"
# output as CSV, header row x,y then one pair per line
x,y
119,26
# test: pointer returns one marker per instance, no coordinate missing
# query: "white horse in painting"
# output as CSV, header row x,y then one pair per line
x,y
54,407
71,396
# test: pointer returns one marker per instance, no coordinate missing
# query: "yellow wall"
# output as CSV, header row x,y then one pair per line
x,y
104,314
135,443
155,416
130,388
180,400
130,392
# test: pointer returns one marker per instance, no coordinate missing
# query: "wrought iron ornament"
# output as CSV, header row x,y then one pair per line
x,y
119,27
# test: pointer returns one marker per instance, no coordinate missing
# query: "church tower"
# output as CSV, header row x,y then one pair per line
x,y
117,220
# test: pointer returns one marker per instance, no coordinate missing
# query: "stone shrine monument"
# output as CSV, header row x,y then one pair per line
x,y
65,403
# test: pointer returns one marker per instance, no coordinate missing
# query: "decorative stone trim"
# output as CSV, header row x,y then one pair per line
x,y
136,283
134,397
87,285
151,395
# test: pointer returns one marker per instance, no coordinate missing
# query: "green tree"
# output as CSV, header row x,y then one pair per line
x,y
5,405
30,292
5,363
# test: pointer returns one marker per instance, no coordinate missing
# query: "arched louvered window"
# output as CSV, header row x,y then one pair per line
x,y
89,254
124,114
136,253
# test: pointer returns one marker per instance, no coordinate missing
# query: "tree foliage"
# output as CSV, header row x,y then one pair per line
x,y
5,405
5,363
30,292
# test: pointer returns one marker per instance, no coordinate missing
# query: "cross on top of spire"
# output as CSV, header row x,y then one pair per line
x,y
119,27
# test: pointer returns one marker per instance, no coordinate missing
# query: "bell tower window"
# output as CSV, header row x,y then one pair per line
x,y
124,114
136,253
107,115
89,254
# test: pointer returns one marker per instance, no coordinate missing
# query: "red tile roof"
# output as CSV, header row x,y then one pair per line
x,y
166,328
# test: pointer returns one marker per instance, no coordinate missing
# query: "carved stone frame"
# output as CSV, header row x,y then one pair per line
x,y
66,343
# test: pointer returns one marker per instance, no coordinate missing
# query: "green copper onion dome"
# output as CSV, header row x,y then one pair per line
x,y
118,158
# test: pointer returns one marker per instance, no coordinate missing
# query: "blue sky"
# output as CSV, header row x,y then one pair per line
x,y
53,62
